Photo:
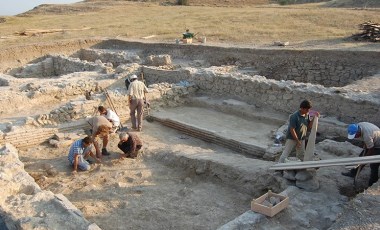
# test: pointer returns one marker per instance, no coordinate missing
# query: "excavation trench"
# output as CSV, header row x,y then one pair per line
x,y
214,121
178,182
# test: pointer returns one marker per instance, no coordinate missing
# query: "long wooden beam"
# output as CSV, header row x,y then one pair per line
x,y
326,163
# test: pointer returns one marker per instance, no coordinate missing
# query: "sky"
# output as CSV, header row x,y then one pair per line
x,y
13,7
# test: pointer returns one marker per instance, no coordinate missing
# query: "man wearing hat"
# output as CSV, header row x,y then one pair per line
x,y
136,95
370,135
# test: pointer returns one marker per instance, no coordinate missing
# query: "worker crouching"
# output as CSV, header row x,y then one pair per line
x,y
130,144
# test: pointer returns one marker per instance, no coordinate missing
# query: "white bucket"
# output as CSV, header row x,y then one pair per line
x,y
203,40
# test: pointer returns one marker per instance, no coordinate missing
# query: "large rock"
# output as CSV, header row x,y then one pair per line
x,y
308,185
304,175
158,60
27,206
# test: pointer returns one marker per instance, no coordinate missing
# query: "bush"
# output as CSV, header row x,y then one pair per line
x,y
183,2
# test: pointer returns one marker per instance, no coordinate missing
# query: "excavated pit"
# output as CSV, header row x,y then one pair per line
x,y
202,171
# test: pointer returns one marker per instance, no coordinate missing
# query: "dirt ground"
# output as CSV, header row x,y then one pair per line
x,y
135,193
163,187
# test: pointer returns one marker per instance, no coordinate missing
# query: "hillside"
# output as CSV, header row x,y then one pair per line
x,y
306,25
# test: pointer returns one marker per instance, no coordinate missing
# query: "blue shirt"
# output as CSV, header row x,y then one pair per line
x,y
76,148
300,124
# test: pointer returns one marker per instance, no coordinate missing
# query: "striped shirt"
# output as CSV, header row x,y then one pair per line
x,y
137,90
76,148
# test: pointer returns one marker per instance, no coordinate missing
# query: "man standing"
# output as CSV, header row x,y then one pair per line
x,y
370,135
80,150
111,116
136,96
101,127
299,123
130,144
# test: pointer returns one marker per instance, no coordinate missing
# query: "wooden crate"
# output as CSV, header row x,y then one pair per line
x,y
187,40
257,206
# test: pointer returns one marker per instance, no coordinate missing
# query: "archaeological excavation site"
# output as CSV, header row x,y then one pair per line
x,y
212,136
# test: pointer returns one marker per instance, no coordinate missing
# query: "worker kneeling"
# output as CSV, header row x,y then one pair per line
x,y
79,151
130,144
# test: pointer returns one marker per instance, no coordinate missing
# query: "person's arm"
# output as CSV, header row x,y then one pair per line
x,y
295,137
313,114
133,144
93,156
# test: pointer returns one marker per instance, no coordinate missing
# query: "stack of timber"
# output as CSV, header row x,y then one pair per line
x,y
371,32
237,146
36,32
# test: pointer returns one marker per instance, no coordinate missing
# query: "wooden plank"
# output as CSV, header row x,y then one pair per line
x,y
309,152
326,163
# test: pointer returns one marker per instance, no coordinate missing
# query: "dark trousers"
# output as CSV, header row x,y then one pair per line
x,y
374,169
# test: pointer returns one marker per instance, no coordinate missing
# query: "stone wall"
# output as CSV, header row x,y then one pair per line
x,y
22,137
155,75
159,94
116,57
51,66
16,56
325,67
42,69
71,111
65,65
280,95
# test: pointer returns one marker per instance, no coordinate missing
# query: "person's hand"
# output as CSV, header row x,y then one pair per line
x,y
314,113
74,172
299,144
98,160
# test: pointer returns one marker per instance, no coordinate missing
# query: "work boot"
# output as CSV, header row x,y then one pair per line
x,y
351,173
105,152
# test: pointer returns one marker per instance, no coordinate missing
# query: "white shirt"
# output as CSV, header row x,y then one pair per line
x,y
113,117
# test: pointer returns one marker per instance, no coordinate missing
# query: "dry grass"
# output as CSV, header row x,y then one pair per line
x,y
249,25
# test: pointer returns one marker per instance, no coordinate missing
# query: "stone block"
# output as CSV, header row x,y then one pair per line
x,y
303,175
309,185
53,142
93,226
289,175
